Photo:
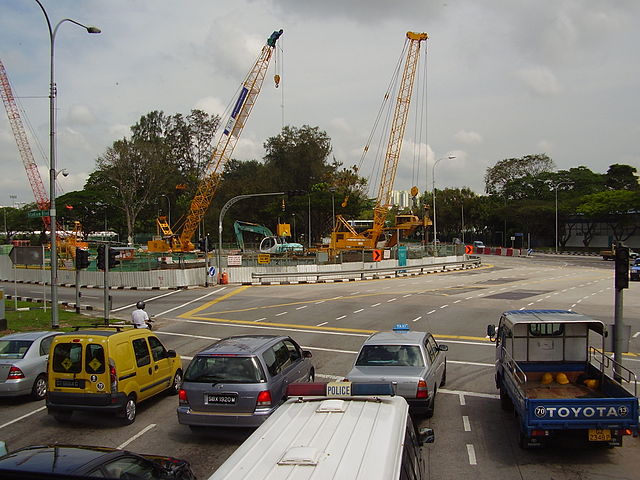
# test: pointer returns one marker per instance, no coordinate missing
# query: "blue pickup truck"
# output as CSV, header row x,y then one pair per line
x,y
551,370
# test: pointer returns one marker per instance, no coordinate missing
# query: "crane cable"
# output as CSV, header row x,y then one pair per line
x,y
420,127
372,179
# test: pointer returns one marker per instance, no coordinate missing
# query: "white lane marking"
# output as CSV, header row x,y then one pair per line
x,y
457,301
469,394
321,301
190,301
281,313
466,424
137,435
463,402
260,319
429,313
444,306
359,310
391,300
375,305
407,295
468,298
321,324
173,292
635,335
341,317
300,308
22,417
472,454
477,364
416,319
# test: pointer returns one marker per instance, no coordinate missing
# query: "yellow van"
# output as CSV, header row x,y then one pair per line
x,y
109,369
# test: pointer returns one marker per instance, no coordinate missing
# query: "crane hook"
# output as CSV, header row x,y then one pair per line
x,y
276,78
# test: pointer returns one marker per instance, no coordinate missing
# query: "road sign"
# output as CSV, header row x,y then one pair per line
x,y
26,255
235,260
377,255
468,249
264,258
38,213
212,271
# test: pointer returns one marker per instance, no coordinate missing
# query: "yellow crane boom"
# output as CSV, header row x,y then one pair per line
x,y
345,237
224,148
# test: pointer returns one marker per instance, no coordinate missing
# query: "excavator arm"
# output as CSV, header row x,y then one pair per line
x,y
239,227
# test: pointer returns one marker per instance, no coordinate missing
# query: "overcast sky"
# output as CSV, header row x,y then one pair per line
x,y
505,78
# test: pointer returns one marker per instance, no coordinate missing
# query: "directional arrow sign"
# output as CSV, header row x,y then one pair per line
x,y
377,255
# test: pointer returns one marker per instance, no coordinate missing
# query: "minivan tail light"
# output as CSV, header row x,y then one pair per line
x,y
264,399
113,376
182,397
423,391
14,373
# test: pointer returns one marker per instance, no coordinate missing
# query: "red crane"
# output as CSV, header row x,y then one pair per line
x,y
42,199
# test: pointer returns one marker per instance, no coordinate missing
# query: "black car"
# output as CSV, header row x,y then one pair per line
x,y
73,461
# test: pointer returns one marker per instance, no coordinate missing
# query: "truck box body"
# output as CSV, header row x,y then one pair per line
x,y
551,367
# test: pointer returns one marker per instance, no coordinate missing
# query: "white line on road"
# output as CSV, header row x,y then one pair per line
x,y
375,305
137,435
300,308
407,295
173,292
190,301
465,422
469,394
444,306
260,319
341,317
321,324
22,417
429,313
463,402
472,454
359,310
281,313
416,319
635,335
391,300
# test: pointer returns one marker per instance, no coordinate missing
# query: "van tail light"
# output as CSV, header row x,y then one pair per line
x,y
264,399
15,373
113,376
182,397
423,390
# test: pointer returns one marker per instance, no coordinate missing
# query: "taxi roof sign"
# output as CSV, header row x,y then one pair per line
x,y
401,327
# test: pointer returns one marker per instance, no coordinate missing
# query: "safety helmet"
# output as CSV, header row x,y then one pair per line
x,y
591,383
140,305
562,379
547,378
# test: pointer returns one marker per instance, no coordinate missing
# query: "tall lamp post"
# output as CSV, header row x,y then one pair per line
x,y
433,179
556,188
52,159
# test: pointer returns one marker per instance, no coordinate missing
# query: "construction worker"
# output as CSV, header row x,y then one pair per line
x,y
139,317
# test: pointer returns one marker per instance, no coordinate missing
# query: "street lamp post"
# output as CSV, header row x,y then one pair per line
x,y
169,208
52,159
433,179
556,188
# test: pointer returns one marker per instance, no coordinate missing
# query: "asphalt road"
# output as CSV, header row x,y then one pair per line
x,y
474,436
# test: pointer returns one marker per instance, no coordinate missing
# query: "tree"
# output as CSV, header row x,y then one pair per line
x,y
505,172
622,177
615,207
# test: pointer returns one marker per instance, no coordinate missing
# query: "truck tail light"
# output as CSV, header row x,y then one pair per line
x,y
15,373
264,399
113,376
423,390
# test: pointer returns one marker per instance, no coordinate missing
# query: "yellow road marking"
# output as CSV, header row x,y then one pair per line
x,y
279,325
213,302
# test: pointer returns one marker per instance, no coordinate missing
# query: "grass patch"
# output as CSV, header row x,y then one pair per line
x,y
37,319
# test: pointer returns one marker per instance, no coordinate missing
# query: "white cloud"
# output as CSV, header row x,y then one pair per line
x,y
210,105
80,115
540,81
468,137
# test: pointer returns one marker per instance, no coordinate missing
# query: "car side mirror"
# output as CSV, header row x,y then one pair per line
x,y
3,449
491,332
426,435
443,348
171,354
306,354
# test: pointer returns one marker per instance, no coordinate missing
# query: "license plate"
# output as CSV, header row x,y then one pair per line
x,y
68,383
596,435
221,399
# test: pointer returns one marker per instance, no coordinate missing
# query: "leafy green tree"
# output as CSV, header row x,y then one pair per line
x,y
622,177
498,178
615,207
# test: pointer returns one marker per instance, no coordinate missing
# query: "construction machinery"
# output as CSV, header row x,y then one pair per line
x,y
274,244
180,240
344,236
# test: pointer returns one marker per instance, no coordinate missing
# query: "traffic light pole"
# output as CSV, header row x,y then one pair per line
x,y
621,281
106,284
77,290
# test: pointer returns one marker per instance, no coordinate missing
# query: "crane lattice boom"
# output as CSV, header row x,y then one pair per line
x,y
42,199
224,149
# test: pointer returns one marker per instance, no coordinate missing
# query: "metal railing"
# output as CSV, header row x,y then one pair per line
x,y
362,273
616,371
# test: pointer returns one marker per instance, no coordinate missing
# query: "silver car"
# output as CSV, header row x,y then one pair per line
x,y
23,364
412,361
239,381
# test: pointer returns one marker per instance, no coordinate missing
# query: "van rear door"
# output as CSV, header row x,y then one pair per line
x,y
79,365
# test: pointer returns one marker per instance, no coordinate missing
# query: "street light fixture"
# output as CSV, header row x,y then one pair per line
x,y
52,158
556,188
433,179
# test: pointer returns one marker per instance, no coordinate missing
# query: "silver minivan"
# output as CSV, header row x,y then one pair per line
x,y
239,381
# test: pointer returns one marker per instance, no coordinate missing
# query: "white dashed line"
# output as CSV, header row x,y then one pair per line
x,y
359,310
260,319
472,454
321,324
375,305
300,308
416,319
391,300
281,313
340,318
465,422
137,435
429,313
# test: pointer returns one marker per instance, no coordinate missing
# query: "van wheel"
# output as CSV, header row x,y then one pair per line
x,y
39,390
128,414
174,389
63,416
312,375
432,405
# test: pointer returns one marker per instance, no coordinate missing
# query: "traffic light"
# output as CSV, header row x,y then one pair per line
x,y
112,258
622,267
101,257
82,258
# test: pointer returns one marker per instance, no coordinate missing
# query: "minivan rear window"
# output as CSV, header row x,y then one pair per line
x,y
94,359
67,358
227,369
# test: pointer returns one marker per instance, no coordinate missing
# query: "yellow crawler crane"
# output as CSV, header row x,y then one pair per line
x,y
344,237
182,241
